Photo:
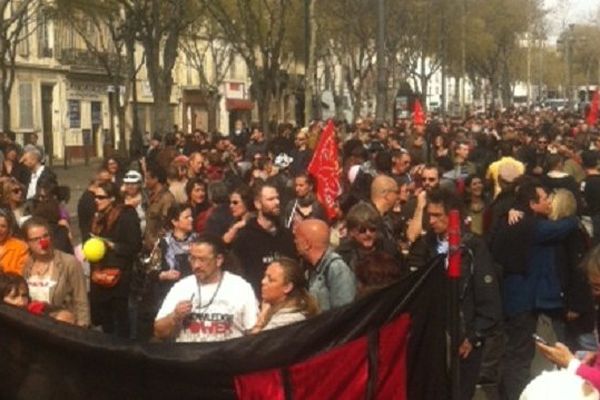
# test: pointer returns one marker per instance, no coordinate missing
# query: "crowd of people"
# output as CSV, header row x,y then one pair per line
x,y
211,237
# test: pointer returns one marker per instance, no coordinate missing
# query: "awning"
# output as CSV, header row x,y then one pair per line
x,y
238,104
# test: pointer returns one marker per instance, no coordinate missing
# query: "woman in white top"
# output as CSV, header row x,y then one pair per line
x,y
285,297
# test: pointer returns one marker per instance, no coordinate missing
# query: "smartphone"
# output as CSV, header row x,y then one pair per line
x,y
540,339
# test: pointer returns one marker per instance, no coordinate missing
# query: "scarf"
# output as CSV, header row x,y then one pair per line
x,y
104,221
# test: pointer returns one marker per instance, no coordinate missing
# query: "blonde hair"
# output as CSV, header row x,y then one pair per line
x,y
563,204
6,187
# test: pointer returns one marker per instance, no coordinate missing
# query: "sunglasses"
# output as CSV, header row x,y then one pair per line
x,y
365,229
101,197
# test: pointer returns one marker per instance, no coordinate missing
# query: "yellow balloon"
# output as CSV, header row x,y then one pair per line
x,y
94,249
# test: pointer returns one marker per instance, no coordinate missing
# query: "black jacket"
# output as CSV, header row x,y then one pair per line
x,y
86,208
576,289
257,248
127,237
46,175
480,302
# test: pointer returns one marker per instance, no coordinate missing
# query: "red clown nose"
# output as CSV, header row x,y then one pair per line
x,y
44,243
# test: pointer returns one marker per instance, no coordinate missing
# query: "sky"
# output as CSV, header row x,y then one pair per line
x,y
564,12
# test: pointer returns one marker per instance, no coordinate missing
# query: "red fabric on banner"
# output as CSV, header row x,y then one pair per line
x,y
341,373
418,114
338,374
324,167
260,385
392,368
592,116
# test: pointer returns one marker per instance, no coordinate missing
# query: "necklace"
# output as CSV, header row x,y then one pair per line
x,y
200,306
41,269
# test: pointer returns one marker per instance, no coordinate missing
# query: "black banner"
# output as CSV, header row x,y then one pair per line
x,y
43,359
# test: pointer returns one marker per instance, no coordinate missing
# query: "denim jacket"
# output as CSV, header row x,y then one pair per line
x,y
332,282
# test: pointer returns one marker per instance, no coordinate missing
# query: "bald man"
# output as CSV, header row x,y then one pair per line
x,y
384,193
330,280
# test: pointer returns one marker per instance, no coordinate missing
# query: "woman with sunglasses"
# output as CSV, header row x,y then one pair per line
x,y
119,226
54,277
241,206
13,252
13,198
363,237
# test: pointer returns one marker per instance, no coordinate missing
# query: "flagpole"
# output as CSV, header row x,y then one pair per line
x,y
454,272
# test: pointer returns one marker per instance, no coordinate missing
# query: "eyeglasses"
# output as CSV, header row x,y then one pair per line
x,y
101,197
365,229
36,239
200,260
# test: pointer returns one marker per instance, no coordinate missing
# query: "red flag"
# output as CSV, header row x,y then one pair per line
x,y
345,369
324,167
418,114
592,116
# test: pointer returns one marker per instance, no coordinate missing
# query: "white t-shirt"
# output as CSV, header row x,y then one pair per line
x,y
39,288
233,309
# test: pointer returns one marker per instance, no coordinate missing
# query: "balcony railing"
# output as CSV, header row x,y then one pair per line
x,y
85,59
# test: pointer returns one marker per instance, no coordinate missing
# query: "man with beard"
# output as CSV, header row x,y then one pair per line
x,y
263,240
305,205
418,221
480,304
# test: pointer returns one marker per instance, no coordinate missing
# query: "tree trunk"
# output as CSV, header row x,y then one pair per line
x,y
263,103
6,126
381,64
357,106
213,104
137,143
309,85
493,93
424,87
122,129
161,113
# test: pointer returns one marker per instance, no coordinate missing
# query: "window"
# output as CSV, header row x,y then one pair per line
x,y
44,48
74,107
25,105
22,21
96,113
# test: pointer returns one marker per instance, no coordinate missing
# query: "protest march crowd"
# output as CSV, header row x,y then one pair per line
x,y
212,237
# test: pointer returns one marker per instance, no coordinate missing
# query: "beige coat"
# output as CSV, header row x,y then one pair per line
x,y
70,291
